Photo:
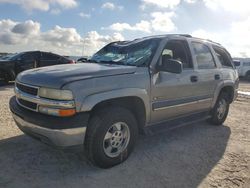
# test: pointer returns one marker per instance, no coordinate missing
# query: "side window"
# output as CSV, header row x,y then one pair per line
x,y
28,57
203,56
49,57
246,64
178,50
236,63
223,56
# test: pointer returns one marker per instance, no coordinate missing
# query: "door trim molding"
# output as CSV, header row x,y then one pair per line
x,y
162,105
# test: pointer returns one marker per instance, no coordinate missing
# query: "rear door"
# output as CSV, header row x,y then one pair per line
x,y
208,73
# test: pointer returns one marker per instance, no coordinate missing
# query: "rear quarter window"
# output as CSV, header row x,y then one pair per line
x,y
223,56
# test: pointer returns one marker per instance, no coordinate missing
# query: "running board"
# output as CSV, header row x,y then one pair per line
x,y
176,123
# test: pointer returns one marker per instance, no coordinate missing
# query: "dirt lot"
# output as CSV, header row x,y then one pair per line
x,y
198,155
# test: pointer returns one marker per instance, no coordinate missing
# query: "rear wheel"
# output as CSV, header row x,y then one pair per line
x,y
5,77
220,111
111,136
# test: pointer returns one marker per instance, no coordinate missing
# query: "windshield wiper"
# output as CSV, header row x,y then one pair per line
x,y
113,62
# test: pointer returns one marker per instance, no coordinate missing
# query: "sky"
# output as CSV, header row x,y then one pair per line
x,y
74,27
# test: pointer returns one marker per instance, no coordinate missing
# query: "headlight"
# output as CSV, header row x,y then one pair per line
x,y
55,94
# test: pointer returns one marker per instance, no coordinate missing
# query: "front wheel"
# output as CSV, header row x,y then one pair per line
x,y
111,136
220,111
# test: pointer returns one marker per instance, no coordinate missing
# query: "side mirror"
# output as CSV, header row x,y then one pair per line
x,y
171,65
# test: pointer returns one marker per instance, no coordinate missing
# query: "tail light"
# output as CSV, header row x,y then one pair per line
x,y
72,62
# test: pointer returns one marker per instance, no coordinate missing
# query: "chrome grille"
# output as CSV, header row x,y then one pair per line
x,y
27,104
27,88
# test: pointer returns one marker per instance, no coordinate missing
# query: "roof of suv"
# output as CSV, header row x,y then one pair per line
x,y
173,36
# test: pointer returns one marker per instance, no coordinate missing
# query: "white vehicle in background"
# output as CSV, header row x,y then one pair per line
x,y
243,67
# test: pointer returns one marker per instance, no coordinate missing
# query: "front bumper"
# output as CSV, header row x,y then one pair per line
x,y
55,131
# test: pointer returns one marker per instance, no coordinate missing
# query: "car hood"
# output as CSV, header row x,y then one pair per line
x,y
59,75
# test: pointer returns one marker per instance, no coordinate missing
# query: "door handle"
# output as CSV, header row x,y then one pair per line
x,y
194,78
217,77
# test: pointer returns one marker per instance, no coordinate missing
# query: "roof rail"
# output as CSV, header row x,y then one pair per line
x,y
186,35
213,42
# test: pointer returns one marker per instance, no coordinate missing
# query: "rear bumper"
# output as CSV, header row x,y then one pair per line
x,y
55,131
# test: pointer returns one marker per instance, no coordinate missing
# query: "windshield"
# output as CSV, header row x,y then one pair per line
x,y
11,56
15,56
127,53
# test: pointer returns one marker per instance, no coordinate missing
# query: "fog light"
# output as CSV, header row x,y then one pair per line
x,y
57,111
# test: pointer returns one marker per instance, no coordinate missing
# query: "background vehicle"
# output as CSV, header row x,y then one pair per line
x,y
82,60
13,64
127,87
243,67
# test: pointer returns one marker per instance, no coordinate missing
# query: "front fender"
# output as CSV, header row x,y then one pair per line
x,y
90,101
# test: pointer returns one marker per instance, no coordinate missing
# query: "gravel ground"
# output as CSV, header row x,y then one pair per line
x,y
198,155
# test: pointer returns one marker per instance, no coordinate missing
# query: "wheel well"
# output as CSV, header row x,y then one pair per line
x,y
229,91
133,104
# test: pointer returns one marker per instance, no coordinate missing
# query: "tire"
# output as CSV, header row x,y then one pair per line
x,y
6,77
220,111
103,134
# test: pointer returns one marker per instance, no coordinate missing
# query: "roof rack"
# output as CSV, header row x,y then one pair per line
x,y
186,35
213,42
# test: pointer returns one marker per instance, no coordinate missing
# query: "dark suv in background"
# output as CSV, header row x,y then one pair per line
x,y
11,65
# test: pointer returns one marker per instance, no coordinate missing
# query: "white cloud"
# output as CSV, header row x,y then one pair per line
x,y
111,6
200,33
6,25
42,5
93,41
240,6
159,22
163,21
28,28
141,26
55,11
61,37
84,15
191,1
14,33
24,36
161,3
236,39
108,5
239,38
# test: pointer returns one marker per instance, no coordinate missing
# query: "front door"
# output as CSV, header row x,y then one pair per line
x,y
26,61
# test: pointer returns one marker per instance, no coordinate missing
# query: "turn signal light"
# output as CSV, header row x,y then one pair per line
x,y
66,112
57,111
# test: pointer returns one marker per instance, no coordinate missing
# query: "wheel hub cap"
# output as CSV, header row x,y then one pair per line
x,y
116,139
221,109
